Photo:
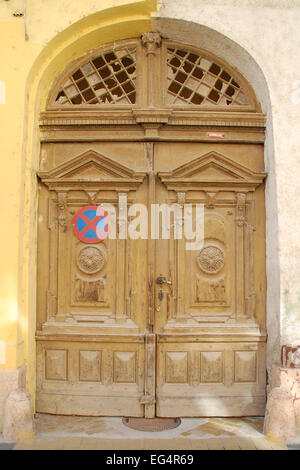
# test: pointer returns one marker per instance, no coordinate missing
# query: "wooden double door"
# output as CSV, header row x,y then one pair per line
x,y
152,325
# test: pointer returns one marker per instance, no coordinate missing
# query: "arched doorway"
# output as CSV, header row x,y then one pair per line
x,y
145,327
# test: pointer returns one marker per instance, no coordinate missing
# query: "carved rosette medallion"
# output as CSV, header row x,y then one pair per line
x,y
91,259
211,259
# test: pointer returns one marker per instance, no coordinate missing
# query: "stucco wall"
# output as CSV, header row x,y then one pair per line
x,y
260,38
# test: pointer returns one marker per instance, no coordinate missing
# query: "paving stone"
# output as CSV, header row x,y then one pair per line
x,y
59,435
215,444
231,443
199,444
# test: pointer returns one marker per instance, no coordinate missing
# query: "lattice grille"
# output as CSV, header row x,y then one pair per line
x,y
107,79
196,80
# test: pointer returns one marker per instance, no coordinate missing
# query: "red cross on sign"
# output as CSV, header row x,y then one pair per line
x,y
91,224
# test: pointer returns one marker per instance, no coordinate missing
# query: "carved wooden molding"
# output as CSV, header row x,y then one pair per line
x,y
62,205
224,334
151,121
210,171
95,336
92,171
220,119
149,116
119,116
241,209
211,200
86,117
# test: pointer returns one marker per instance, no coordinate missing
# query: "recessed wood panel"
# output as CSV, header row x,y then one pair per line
x,y
176,367
245,366
211,367
125,367
90,366
56,364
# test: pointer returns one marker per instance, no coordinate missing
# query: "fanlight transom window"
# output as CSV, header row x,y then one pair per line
x,y
180,76
196,80
105,79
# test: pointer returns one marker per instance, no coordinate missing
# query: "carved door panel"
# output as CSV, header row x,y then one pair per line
x,y
92,311
210,311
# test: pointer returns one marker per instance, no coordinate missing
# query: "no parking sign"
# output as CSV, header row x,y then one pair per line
x,y
91,224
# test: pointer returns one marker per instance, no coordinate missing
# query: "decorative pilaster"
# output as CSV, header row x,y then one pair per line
x,y
63,248
181,257
241,209
151,42
121,258
53,245
240,255
62,210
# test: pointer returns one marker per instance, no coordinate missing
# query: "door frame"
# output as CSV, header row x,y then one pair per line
x,y
154,124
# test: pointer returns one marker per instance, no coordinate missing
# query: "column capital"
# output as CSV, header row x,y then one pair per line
x,y
151,41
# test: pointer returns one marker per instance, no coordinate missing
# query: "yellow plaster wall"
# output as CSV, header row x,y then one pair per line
x,y
16,60
56,36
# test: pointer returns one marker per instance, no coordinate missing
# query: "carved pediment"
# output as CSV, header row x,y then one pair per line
x,y
90,169
212,169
